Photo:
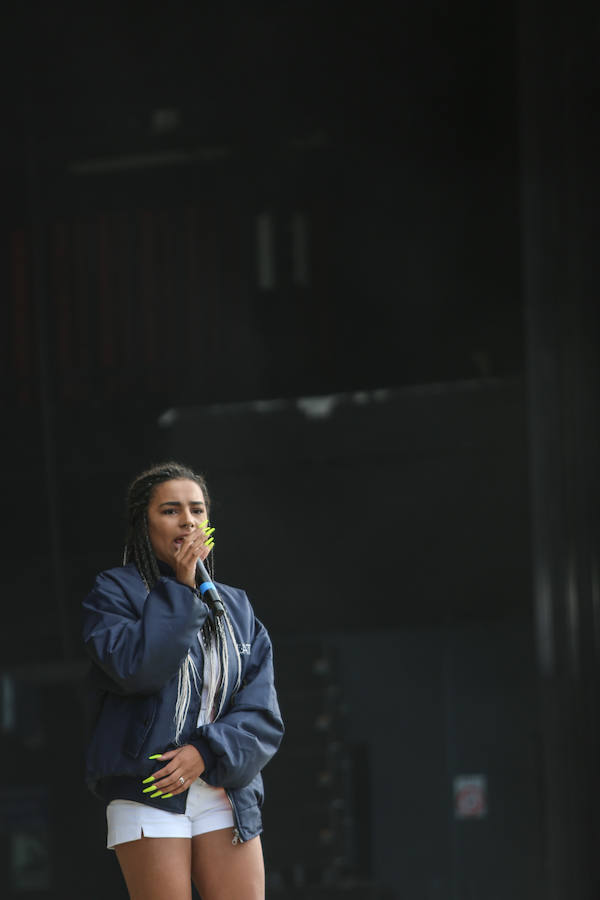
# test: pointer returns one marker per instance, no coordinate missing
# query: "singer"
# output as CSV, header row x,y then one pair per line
x,y
183,707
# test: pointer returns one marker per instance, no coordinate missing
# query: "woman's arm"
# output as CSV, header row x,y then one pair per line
x,y
140,643
241,742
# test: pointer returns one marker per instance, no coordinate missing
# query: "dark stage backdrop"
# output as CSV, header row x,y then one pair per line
x,y
369,509
386,532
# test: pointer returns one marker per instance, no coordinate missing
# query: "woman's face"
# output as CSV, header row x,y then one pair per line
x,y
175,508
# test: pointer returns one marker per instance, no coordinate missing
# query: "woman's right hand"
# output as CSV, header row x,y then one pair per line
x,y
192,548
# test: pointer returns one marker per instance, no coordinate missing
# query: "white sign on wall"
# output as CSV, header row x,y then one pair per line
x,y
470,797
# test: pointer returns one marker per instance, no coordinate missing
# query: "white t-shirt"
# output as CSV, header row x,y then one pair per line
x,y
211,678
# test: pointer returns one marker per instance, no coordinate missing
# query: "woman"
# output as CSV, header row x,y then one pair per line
x,y
185,711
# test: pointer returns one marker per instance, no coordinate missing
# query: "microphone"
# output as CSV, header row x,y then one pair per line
x,y
208,590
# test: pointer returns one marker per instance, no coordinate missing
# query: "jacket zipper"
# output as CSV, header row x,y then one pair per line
x,y
237,837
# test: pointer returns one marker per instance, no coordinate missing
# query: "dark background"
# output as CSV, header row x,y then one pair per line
x,y
342,259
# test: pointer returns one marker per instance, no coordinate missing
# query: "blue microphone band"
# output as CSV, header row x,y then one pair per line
x,y
206,586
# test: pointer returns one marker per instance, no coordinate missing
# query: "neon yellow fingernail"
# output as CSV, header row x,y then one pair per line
x,y
156,756
157,794
209,531
166,796
147,790
146,780
209,543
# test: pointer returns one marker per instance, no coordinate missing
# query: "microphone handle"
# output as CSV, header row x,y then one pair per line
x,y
207,589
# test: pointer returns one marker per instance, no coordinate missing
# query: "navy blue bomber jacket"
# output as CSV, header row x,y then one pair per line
x,y
137,641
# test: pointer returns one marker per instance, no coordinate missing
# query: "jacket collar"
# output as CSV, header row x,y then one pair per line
x,y
164,568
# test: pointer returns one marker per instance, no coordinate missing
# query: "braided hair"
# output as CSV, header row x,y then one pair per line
x,y
138,548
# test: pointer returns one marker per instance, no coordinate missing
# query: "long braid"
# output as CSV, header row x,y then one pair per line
x,y
144,557
138,550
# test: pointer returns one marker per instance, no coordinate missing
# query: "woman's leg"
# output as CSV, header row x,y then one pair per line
x,y
225,871
157,868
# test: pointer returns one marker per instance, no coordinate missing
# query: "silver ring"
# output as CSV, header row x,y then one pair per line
x,y
182,779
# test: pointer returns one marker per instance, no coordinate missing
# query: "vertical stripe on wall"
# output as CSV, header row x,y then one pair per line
x,y
22,318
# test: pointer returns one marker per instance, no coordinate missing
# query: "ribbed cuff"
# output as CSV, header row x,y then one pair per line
x,y
205,752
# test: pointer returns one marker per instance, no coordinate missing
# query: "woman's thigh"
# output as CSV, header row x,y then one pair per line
x,y
157,868
225,871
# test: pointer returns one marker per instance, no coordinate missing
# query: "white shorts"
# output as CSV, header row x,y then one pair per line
x,y
207,809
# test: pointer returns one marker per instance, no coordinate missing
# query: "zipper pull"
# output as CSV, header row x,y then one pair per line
x,y
236,837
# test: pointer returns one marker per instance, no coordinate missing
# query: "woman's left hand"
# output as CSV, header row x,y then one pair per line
x,y
183,763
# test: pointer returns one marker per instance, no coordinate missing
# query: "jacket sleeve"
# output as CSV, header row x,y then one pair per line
x,y
140,651
241,742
